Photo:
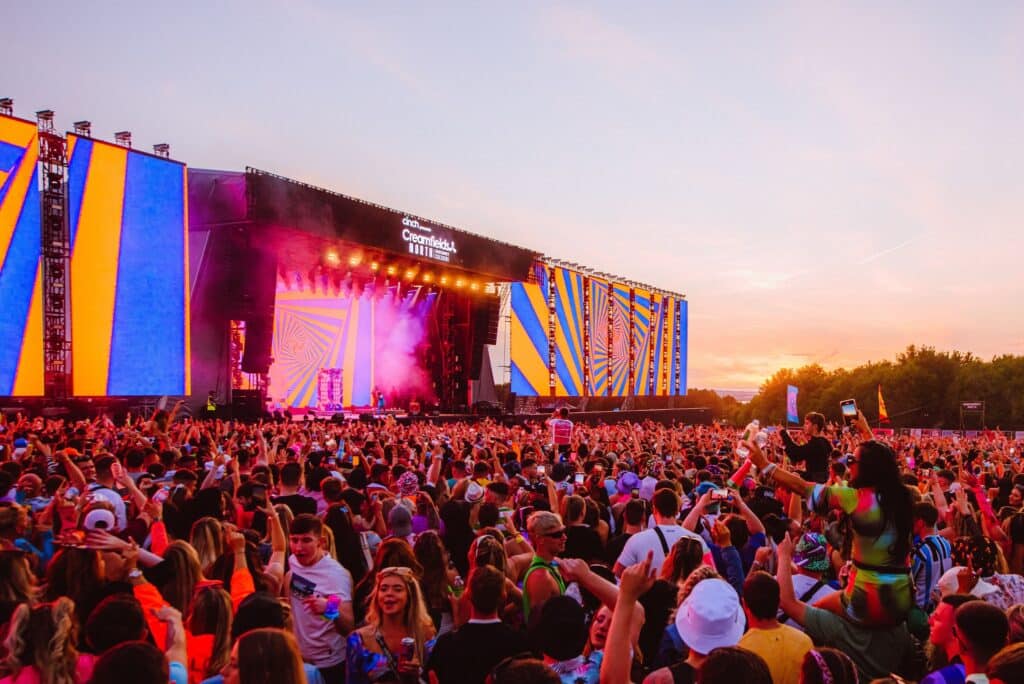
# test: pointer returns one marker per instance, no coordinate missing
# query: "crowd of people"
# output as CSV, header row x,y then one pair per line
x,y
160,548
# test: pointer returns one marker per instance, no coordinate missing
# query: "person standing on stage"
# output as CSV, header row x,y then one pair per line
x,y
561,432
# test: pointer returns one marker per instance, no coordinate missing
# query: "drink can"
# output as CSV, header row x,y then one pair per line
x,y
408,649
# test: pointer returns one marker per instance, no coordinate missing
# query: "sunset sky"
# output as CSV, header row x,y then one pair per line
x,y
825,184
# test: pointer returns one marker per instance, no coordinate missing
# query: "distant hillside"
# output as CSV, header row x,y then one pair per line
x,y
741,395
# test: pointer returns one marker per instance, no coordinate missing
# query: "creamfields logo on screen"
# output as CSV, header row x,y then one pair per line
x,y
422,241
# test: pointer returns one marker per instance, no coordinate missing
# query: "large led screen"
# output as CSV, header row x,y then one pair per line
x,y
569,320
21,302
529,343
370,341
617,321
127,217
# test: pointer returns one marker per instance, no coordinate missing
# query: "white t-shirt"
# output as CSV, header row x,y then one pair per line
x,y
319,641
639,544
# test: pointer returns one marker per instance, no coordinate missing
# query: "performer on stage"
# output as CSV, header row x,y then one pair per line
x,y
211,404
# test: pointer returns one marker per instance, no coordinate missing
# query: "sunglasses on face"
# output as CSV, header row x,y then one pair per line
x,y
558,534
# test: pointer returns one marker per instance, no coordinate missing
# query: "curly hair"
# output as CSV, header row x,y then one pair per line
x,y
46,638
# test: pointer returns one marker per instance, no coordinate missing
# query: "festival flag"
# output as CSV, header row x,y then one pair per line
x,y
791,413
883,415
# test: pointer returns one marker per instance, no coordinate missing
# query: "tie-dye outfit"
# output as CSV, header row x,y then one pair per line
x,y
879,591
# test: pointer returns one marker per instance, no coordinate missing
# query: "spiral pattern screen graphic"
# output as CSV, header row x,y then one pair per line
x,y
620,319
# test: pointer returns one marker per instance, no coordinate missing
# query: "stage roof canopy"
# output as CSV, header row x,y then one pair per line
x,y
270,201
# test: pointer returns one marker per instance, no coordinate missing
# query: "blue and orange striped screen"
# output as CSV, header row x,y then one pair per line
x,y
619,318
127,216
21,317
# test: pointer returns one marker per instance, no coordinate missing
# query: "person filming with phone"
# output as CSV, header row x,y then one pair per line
x,y
814,453
878,592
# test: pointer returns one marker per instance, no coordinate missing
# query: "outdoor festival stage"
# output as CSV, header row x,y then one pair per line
x,y
128,276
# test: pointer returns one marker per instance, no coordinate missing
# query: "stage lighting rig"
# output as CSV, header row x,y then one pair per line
x,y
7,106
392,270
428,277
374,266
331,257
83,128
123,138
162,150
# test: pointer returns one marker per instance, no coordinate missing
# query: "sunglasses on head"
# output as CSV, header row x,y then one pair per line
x,y
396,570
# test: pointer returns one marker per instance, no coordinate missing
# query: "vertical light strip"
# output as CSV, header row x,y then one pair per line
x,y
94,265
185,274
351,340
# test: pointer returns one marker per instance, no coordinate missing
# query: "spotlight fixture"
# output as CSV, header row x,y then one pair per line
x,y
444,280
331,257
474,286
460,283
428,277
354,260
410,274
374,266
7,106
392,270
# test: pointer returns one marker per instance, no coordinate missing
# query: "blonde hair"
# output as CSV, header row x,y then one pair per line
x,y
415,617
207,538
329,544
210,613
185,573
44,637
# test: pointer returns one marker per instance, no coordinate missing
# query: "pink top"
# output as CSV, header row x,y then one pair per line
x,y
30,674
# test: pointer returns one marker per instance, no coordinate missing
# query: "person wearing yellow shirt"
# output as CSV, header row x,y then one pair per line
x,y
781,646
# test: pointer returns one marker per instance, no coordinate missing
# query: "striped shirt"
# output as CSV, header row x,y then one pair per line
x,y
932,556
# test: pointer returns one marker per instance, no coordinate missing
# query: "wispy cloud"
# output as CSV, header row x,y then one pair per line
x,y
888,250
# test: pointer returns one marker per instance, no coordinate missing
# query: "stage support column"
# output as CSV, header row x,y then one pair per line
x,y
677,363
631,374
586,337
664,327
611,334
652,328
551,329
56,252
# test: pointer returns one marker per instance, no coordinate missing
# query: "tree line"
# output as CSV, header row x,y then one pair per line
x,y
922,388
